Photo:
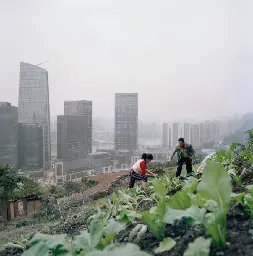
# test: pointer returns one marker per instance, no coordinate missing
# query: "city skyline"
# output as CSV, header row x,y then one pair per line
x,y
112,117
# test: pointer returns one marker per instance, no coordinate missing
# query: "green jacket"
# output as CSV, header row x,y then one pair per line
x,y
187,152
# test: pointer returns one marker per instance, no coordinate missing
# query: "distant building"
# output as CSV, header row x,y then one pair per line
x,y
208,130
170,138
194,135
175,133
30,146
187,132
126,121
202,133
74,131
79,108
8,134
33,104
165,135
216,131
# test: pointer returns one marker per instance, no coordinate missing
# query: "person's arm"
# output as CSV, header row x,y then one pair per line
x,y
149,172
172,153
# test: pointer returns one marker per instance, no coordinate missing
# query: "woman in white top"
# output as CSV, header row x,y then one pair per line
x,y
139,170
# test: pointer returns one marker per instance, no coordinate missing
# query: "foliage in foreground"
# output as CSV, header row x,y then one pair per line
x,y
208,206
102,231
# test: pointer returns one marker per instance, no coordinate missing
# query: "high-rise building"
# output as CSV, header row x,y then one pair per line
x,y
33,104
30,146
187,131
170,138
215,131
208,130
202,133
175,133
194,135
165,135
126,121
74,131
8,134
78,108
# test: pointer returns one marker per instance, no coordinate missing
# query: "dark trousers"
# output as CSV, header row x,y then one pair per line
x,y
188,162
135,176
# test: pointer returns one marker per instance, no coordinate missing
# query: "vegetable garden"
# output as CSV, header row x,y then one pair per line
x,y
208,214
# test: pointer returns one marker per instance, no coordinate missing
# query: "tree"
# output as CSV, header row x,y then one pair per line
x,y
8,182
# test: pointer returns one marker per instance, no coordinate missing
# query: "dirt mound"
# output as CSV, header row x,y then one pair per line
x,y
104,181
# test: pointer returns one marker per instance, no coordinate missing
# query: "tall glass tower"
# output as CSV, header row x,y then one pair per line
x,y
33,103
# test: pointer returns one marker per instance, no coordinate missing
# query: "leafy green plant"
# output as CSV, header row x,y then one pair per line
x,y
166,245
154,218
223,157
200,247
215,186
101,234
122,250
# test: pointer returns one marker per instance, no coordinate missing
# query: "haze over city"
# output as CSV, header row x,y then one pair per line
x,y
196,52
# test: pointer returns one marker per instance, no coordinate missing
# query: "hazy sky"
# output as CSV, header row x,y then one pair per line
x,y
185,58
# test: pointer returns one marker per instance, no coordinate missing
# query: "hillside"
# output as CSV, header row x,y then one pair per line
x,y
239,136
201,215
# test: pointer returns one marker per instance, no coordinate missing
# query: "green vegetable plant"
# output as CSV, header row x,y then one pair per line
x,y
213,194
245,199
101,234
199,247
216,185
154,218
224,157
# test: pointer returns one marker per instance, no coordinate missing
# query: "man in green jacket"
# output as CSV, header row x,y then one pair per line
x,y
185,154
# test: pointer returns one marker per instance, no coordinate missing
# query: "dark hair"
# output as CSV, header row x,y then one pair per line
x,y
147,156
181,139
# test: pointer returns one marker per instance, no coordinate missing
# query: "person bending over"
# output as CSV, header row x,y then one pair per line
x,y
185,154
139,170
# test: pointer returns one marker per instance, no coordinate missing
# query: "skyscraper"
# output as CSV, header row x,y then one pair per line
x,y
74,130
165,134
8,134
202,133
215,131
126,121
78,108
175,133
30,146
187,132
33,103
208,130
170,142
194,135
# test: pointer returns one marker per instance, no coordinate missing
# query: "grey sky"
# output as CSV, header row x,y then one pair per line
x,y
199,51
